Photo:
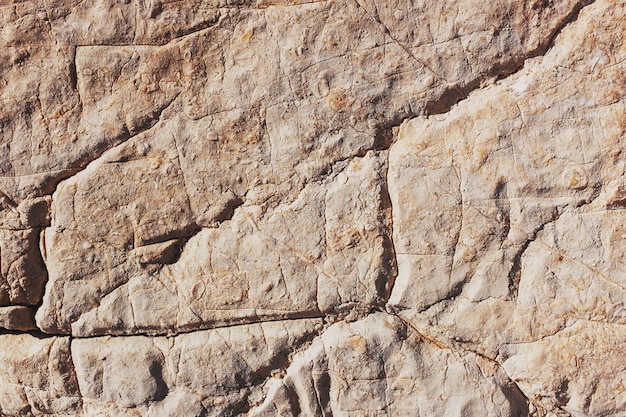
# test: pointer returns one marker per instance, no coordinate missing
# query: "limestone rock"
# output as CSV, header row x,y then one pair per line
x,y
380,365
326,250
285,207
17,318
221,142
22,271
579,369
37,377
216,372
524,263
77,85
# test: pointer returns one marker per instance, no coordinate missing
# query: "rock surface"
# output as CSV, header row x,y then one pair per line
x,y
351,208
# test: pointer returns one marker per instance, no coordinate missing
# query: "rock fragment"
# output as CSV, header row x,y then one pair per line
x,y
37,377
22,271
17,318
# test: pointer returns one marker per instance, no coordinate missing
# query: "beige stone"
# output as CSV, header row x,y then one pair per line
x,y
525,267
22,271
281,207
381,366
215,372
17,318
325,251
37,377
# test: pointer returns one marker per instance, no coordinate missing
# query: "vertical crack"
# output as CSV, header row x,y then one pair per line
x,y
515,273
72,70
387,282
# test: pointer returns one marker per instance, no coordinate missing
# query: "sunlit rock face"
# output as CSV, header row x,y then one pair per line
x,y
290,208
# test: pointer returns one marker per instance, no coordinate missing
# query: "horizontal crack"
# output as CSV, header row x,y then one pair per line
x,y
195,329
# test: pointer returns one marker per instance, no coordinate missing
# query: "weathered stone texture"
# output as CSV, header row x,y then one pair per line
x,y
38,376
381,366
280,207
531,248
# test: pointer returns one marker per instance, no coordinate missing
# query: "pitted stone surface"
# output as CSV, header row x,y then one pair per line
x,y
351,208
526,265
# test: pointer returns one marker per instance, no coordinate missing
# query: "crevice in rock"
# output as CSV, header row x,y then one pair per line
x,y
35,333
385,283
167,251
71,358
456,93
72,72
515,273
200,27
159,332
569,19
514,390
44,267
348,312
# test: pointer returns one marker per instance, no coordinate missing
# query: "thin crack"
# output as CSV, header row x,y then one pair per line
x,y
387,31
182,331
457,347
515,273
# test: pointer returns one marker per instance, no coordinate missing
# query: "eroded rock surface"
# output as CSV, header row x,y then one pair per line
x,y
380,365
525,263
268,207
